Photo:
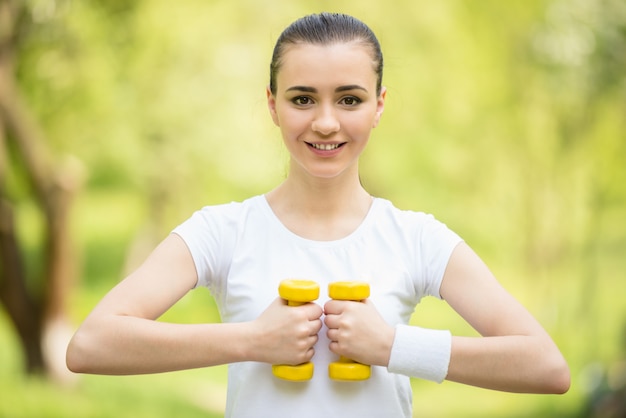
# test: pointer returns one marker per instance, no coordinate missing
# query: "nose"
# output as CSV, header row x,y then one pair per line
x,y
325,121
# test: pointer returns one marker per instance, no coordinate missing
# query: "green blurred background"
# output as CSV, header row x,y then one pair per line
x,y
506,119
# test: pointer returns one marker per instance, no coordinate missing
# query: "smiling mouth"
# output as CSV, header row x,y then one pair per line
x,y
325,147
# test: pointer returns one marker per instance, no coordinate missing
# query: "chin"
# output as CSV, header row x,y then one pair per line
x,y
326,174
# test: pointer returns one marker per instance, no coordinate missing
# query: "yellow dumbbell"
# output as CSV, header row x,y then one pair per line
x,y
296,293
346,369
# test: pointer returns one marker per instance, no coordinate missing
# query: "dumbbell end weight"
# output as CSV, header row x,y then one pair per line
x,y
298,292
299,373
355,291
349,370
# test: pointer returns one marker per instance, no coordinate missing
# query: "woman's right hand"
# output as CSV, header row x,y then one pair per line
x,y
286,334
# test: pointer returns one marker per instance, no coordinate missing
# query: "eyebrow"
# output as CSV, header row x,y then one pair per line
x,y
339,89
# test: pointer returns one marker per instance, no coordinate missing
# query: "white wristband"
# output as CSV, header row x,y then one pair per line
x,y
420,352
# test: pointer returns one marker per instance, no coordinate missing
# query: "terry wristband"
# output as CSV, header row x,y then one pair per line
x,y
420,352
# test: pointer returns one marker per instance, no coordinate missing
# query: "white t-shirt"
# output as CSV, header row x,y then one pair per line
x,y
242,251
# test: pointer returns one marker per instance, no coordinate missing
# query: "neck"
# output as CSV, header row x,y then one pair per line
x,y
321,195
320,208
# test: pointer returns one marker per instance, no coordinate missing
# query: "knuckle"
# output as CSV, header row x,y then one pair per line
x,y
302,330
302,345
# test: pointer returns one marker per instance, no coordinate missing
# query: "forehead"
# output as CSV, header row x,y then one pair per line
x,y
339,63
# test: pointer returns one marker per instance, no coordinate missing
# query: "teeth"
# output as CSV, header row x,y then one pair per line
x,y
325,147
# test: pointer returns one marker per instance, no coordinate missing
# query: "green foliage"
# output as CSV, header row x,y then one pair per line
x,y
505,119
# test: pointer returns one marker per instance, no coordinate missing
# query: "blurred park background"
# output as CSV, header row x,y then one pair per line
x,y
118,119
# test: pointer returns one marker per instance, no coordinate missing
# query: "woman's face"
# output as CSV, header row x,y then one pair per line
x,y
326,106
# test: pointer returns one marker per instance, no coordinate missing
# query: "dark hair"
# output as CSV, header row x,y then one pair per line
x,y
326,29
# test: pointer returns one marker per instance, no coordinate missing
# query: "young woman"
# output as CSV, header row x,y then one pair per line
x,y
325,94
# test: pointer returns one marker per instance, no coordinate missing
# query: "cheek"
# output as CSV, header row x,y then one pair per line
x,y
360,125
292,124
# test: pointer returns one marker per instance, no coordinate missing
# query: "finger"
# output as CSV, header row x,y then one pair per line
x,y
333,307
316,326
332,335
313,310
331,321
309,354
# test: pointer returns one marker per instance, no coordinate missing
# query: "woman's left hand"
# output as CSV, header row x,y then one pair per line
x,y
356,330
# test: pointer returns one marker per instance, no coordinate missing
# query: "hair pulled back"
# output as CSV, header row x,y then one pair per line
x,y
326,29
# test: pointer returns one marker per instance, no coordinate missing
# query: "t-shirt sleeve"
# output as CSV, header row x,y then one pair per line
x,y
208,237
420,352
435,245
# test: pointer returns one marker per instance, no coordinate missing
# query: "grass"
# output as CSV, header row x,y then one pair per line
x,y
192,393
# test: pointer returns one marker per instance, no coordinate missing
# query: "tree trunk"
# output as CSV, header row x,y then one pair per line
x,y
23,311
38,319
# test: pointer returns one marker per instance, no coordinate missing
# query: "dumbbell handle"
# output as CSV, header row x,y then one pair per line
x,y
345,368
296,293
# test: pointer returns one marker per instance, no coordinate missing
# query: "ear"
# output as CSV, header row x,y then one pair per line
x,y
380,106
271,104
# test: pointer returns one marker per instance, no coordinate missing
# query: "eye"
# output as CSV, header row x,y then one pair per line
x,y
302,100
350,101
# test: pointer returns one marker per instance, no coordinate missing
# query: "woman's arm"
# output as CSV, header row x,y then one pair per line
x,y
514,353
121,335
